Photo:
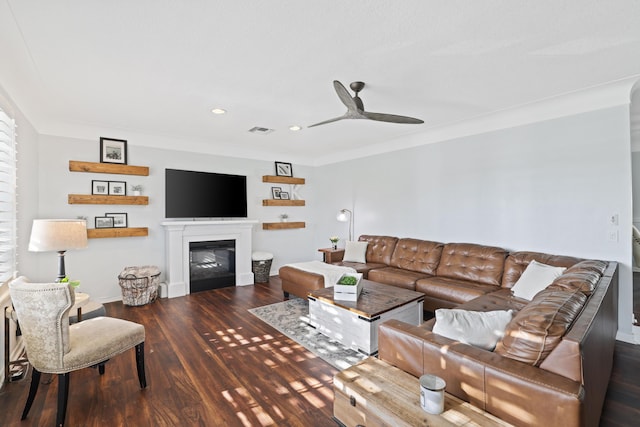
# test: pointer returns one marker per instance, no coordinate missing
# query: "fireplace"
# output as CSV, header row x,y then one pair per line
x,y
179,237
212,265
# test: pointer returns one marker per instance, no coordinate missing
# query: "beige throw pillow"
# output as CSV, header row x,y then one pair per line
x,y
476,328
536,277
355,252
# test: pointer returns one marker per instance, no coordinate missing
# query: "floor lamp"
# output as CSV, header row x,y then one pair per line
x,y
342,217
59,235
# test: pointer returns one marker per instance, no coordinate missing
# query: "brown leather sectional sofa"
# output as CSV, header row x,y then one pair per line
x,y
554,364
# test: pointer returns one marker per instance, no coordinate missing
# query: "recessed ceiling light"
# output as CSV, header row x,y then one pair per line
x,y
218,111
294,128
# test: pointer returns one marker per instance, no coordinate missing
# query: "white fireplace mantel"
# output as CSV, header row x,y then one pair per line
x,y
178,235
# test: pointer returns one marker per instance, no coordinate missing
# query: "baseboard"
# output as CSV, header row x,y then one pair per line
x,y
632,338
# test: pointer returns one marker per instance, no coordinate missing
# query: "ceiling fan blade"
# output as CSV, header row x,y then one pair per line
x,y
391,118
345,96
328,121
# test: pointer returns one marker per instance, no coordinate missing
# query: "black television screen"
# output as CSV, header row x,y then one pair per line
x,y
191,194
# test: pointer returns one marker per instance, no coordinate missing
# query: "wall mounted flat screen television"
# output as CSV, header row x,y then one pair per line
x,y
192,194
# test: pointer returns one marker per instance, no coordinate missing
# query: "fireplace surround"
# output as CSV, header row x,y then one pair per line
x,y
180,234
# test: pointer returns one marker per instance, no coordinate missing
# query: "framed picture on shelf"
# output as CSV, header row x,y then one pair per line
x,y
284,169
275,192
117,188
99,187
113,151
119,219
284,195
104,222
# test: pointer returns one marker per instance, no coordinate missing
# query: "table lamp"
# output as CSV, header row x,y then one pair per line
x,y
342,217
58,235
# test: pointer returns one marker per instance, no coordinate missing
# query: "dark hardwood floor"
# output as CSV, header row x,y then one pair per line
x,y
211,363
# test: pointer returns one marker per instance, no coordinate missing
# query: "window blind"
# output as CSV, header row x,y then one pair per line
x,y
8,223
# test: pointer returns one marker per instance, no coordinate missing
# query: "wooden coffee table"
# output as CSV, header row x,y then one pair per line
x,y
374,393
355,324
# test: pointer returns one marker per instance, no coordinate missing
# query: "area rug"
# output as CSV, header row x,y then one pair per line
x,y
291,318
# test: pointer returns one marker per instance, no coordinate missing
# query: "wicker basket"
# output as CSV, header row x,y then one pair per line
x,y
261,266
139,284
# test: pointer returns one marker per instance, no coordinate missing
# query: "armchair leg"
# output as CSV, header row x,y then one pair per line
x,y
140,365
63,396
33,389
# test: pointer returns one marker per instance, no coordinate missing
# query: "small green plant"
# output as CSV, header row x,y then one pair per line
x,y
74,283
137,187
348,280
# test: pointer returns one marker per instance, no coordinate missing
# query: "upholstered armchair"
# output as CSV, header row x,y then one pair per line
x,y
55,347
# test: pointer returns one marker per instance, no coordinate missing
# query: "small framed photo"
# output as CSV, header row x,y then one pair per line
x,y
113,151
284,195
283,169
99,187
275,192
104,222
119,219
117,188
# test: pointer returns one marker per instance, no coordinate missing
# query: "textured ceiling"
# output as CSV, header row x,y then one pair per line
x,y
150,71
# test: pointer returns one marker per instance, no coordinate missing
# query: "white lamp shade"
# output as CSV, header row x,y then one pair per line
x,y
57,235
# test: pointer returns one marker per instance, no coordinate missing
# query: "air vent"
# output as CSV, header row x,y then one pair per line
x,y
260,131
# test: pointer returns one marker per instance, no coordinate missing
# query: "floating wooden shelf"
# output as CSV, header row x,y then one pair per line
x,y
282,179
78,166
98,233
276,202
282,225
94,199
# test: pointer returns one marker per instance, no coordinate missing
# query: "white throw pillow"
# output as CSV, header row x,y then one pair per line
x,y
355,252
476,328
535,278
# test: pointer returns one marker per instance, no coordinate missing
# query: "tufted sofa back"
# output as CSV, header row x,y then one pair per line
x,y
417,255
476,263
517,262
380,248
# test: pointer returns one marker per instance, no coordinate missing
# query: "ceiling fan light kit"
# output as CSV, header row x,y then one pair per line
x,y
355,107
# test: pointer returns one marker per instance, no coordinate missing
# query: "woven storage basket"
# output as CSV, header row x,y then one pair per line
x,y
139,284
261,266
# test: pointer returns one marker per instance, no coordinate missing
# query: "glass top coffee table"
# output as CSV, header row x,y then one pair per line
x,y
355,323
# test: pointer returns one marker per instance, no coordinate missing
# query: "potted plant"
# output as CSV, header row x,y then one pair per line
x,y
334,241
136,190
284,218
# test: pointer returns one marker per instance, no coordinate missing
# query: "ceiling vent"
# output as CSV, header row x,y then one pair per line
x,y
260,131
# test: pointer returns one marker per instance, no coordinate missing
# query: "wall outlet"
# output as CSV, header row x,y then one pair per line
x,y
613,235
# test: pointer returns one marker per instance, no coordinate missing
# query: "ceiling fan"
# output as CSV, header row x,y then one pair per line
x,y
355,107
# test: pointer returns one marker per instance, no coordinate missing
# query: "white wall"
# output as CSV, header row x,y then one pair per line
x,y
549,186
97,267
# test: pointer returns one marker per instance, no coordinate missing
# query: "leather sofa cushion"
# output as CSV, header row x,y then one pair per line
x,y
589,265
585,281
517,262
583,275
380,248
396,277
455,290
538,328
417,255
498,300
361,268
475,263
